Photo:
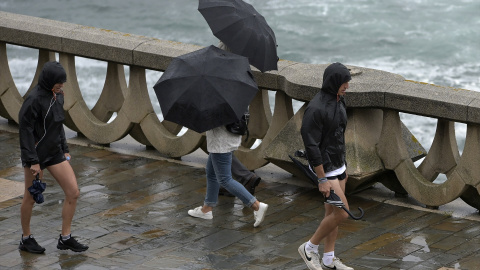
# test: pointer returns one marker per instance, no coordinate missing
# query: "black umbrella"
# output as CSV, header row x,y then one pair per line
x,y
36,189
205,89
305,169
243,30
335,200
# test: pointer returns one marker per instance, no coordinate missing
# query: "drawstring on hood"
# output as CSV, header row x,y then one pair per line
x,y
334,76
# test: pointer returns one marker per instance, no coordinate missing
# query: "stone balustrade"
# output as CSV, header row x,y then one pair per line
x,y
379,147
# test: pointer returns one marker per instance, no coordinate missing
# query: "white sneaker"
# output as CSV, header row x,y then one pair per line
x,y
312,260
197,212
260,214
336,264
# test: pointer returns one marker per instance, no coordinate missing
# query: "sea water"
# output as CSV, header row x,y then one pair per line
x,y
432,41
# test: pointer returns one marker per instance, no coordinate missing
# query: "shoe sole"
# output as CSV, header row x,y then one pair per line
x,y
31,251
202,217
69,248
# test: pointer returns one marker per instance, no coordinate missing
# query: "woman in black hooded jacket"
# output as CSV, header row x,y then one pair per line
x,y
43,145
323,133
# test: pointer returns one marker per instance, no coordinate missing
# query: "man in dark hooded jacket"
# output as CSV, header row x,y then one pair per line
x,y
323,134
43,145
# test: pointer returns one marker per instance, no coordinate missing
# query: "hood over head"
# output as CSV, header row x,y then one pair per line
x,y
334,76
52,73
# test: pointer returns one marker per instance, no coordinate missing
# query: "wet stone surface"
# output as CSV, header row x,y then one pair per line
x,y
132,212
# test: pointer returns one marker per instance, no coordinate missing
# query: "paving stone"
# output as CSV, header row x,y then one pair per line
x,y
132,212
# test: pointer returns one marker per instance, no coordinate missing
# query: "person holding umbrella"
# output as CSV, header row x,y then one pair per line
x,y
206,90
323,134
43,145
245,31
220,145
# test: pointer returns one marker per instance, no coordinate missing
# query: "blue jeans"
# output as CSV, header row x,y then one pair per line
x,y
219,173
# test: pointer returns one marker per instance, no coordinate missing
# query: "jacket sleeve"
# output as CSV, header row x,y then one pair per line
x,y
312,135
27,116
64,141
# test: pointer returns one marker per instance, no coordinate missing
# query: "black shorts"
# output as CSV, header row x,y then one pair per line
x,y
50,161
339,177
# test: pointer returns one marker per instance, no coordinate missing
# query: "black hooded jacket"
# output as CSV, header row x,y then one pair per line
x,y
41,119
325,120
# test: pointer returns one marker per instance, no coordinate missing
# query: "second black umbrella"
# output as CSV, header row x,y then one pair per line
x,y
243,30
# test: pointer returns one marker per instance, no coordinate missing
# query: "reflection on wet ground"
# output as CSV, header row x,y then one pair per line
x,y
132,212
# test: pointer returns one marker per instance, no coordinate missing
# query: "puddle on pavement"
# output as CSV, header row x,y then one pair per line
x,y
411,258
421,241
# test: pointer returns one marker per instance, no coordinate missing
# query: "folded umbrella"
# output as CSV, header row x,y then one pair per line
x,y
36,189
206,89
306,170
243,30
335,200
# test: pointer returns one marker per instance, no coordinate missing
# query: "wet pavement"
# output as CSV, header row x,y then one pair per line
x,y
132,212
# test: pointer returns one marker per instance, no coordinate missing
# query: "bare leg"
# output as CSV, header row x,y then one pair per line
x,y
328,228
27,202
64,175
329,244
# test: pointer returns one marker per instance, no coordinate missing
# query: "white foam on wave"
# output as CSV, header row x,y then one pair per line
x,y
465,76
23,71
23,63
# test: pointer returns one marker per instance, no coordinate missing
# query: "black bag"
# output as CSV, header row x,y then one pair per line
x,y
239,127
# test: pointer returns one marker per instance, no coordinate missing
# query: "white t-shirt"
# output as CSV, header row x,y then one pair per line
x,y
332,173
220,140
337,171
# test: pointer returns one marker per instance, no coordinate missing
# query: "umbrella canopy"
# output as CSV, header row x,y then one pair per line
x,y
36,190
243,30
205,89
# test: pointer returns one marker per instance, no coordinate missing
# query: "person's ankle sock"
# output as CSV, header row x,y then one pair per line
x,y
66,237
26,237
309,247
328,257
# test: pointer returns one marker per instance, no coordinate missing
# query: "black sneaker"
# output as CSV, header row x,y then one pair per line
x,y
71,244
30,245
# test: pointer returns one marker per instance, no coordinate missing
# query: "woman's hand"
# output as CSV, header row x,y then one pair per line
x,y
35,168
68,157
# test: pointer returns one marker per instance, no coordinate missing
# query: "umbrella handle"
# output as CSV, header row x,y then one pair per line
x,y
352,216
